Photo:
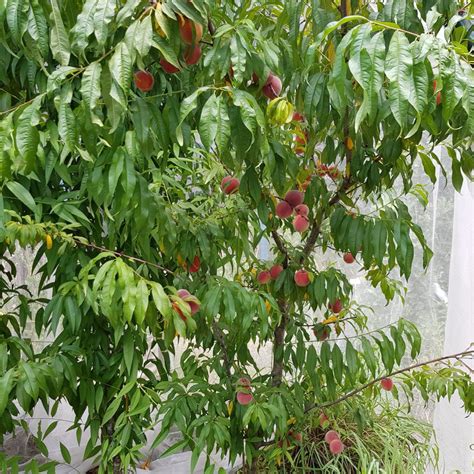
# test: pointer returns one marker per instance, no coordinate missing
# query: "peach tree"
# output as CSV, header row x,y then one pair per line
x,y
150,150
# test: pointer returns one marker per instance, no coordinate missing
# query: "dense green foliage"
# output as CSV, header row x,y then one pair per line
x,y
121,189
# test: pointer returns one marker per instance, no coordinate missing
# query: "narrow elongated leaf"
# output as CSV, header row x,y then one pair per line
x,y
22,194
91,89
60,46
398,69
103,15
38,27
84,26
17,17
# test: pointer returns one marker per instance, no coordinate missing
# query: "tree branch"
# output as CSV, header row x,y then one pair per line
x,y
219,335
374,381
281,247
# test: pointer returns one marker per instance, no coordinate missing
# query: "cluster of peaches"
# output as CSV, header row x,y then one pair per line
x,y
191,34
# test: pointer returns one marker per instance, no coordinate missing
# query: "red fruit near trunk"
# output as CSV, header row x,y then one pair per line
x,y
275,271
283,210
143,81
336,307
302,210
264,277
331,436
300,224
168,67
244,398
230,185
194,267
336,446
192,55
294,198
272,87
190,32
348,258
190,299
387,384
301,278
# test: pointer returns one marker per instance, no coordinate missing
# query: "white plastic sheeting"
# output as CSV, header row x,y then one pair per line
x,y
454,430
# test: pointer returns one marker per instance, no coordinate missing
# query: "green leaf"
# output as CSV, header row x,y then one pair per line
x,y
111,410
91,89
17,11
59,41
120,66
27,137
65,453
208,122
38,27
22,194
103,15
398,69
84,26
6,385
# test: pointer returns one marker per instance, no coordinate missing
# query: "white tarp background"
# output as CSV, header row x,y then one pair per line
x,y
454,430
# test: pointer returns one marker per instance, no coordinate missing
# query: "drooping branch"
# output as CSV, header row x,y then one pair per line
x,y
392,374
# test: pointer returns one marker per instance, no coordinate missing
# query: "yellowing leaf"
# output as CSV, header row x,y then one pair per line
x,y
330,320
291,421
230,407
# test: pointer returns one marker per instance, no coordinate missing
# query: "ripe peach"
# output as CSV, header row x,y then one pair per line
x,y
190,32
336,446
298,437
336,306
322,333
297,117
190,299
294,198
194,267
302,210
387,384
230,185
275,271
283,210
301,278
272,87
168,67
348,258
264,277
192,54
330,436
143,81
179,311
300,223
244,398
323,420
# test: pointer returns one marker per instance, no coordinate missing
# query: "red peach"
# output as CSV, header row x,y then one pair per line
x,y
244,382
348,258
294,198
301,278
190,299
336,446
179,311
168,67
275,271
264,277
297,117
438,95
194,267
244,398
230,185
331,436
302,210
272,87
298,437
143,81
336,306
192,55
322,334
190,32
387,384
323,419
300,224
283,210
